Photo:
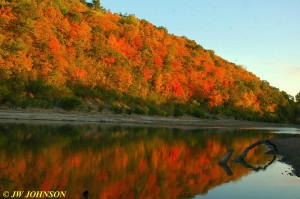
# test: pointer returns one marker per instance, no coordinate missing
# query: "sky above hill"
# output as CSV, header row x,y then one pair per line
x,y
263,36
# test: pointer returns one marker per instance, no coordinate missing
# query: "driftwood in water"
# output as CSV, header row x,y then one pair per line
x,y
226,168
267,142
226,157
246,151
224,160
248,166
240,158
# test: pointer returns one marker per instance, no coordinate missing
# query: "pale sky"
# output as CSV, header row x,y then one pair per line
x,y
262,35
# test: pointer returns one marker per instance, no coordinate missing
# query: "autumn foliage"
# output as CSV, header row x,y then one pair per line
x,y
66,45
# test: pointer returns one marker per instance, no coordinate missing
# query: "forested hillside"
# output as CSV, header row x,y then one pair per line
x,y
71,54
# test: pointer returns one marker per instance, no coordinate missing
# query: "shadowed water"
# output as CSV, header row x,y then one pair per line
x,y
138,162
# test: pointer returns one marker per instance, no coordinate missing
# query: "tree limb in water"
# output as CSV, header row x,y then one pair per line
x,y
240,158
226,157
248,166
246,151
224,160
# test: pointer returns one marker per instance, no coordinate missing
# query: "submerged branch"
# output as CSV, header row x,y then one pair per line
x,y
224,160
240,158
227,169
226,157
248,166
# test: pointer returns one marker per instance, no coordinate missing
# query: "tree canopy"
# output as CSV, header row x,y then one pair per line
x,y
51,50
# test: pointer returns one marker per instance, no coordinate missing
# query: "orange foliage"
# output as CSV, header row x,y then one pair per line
x,y
178,90
67,41
147,74
79,74
108,22
55,46
7,13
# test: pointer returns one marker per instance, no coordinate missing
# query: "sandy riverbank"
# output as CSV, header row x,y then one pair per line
x,y
58,115
289,149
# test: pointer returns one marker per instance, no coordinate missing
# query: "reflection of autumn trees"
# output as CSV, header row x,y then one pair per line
x,y
121,162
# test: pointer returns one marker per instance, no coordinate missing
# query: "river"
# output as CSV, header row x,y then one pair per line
x,y
109,161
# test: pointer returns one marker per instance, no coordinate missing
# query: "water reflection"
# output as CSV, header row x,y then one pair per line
x,y
123,162
271,183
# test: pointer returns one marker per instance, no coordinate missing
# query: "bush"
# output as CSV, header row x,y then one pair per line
x,y
69,103
84,91
4,93
100,108
37,87
141,110
117,109
154,109
128,111
30,102
178,112
199,113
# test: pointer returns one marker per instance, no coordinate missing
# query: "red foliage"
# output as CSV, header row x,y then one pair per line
x,y
65,43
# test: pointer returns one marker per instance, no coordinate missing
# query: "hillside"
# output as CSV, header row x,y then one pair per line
x,y
68,54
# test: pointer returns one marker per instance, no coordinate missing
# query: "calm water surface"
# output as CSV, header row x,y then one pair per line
x,y
141,162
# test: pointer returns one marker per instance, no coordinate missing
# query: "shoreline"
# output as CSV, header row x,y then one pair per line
x,y
107,117
288,147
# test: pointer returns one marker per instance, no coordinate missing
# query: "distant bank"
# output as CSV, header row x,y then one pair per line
x,y
59,115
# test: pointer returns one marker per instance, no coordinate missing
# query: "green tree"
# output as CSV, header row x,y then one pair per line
x,y
297,98
96,4
297,107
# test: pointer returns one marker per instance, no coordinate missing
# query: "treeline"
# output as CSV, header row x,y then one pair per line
x,y
68,54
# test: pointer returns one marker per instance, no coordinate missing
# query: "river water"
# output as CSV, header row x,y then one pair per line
x,y
109,161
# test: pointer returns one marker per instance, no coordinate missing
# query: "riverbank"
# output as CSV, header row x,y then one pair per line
x,y
289,149
59,115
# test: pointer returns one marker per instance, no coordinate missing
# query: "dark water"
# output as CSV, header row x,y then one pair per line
x,y
139,162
